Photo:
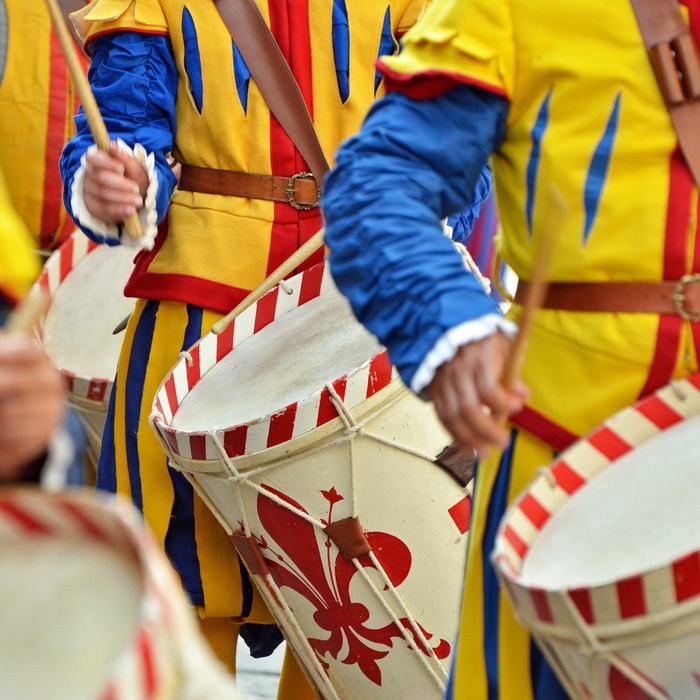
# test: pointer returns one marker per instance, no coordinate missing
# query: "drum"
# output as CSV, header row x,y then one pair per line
x,y
295,429
84,283
91,608
600,556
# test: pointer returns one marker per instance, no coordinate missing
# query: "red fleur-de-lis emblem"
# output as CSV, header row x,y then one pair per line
x,y
324,578
622,688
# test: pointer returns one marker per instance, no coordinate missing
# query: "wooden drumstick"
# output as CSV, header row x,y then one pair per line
x,y
538,286
308,249
26,314
92,111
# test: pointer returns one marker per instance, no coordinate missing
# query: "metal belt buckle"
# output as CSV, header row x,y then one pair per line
x,y
290,191
679,297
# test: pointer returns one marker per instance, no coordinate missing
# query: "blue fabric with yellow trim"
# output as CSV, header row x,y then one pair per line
x,y
411,165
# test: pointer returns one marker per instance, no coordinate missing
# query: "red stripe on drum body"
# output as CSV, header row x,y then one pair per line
x,y
198,447
65,258
581,598
109,693
22,518
171,439
461,514
194,371
326,408
515,542
87,524
659,412
282,426
311,281
171,393
541,603
235,441
609,443
567,478
630,595
69,382
145,650
265,310
96,391
694,379
686,577
379,373
224,341
533,510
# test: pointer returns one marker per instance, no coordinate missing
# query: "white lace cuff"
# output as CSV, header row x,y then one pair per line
x,y
447,345
147,214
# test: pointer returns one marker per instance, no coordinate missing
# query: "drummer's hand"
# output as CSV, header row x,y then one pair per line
x,y
115,184
32,404
470,399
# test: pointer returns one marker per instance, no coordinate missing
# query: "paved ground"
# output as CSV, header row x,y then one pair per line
x,y
258,678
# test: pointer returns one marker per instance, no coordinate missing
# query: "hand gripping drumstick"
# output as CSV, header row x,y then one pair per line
x,y
308,249
92,111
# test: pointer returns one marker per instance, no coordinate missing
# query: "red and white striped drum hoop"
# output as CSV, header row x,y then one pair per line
x,y
84,283
92,609
600,556
318,462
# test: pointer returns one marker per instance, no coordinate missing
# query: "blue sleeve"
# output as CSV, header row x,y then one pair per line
x,y
134,80
463,222
412,164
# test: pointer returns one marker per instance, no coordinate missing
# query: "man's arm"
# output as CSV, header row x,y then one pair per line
x,y
134,80
413,163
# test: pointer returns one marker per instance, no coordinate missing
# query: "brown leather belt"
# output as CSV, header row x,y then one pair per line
x,y
680,298
300,190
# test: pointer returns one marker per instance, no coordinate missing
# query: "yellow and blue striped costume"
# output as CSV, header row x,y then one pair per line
x,y
161,63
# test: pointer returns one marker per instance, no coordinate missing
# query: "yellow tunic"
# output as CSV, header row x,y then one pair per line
x,y
587,115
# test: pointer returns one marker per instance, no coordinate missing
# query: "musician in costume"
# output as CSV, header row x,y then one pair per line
x,y
552,92
168,79
37,104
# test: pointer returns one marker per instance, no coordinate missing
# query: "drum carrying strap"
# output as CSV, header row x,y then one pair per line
x,y
674,56
274,78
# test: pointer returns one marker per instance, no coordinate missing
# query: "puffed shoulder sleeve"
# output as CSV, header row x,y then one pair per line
x,y
468,41
105,16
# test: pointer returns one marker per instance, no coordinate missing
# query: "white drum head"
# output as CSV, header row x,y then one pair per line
x,y
86,306
281,364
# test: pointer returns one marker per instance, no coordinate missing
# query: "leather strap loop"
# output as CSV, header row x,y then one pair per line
x,y
674,57
678,298
274,78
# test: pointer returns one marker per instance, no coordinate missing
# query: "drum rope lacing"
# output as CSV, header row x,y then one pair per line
x,y
472,266
352,430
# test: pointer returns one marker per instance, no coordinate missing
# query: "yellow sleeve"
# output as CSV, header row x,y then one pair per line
x,y
470,40
19,266
104,16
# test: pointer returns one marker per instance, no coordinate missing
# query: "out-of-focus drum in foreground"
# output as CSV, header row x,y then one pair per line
x,y
601,554
84,283
91,609
318,462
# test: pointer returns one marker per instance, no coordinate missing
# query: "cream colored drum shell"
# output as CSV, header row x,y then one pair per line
x,y
400,497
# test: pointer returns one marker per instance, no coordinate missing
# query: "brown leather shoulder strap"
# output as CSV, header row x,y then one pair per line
x,y
676,63
274,78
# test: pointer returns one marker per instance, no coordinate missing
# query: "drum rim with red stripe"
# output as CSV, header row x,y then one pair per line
x,y
288,422
623,601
